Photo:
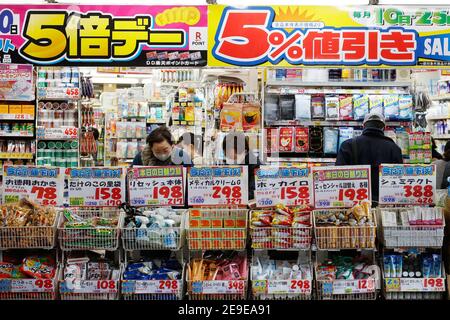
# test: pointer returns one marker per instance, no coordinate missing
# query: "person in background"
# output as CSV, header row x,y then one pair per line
x,y
443,168
435,155
161,151
236,150
371,148
192,145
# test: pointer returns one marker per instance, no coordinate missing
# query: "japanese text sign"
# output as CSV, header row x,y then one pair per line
x,y
407,184
44,185
158,36
328,35
156,186
340,187
220,185
16,82
96,187
290,186
414,284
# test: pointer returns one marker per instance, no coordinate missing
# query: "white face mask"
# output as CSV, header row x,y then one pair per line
x,y
163,156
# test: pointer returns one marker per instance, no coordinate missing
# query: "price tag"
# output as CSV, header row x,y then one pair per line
x,y
58,93
289,286
158,286
32,285
57,133
407,184
227,287
96,187
340,187
289,186
156,186
17,81
89,286
353,286
418,284
44,185
221,185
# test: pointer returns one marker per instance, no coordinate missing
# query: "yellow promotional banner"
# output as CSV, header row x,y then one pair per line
x,y
329,36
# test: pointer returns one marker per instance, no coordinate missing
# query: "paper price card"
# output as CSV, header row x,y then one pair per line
x,y
89,286
27,285
57,133
293,286
217,287
152,286
353,286
220,185
156,186
58,93
340,187
290,186
407,184
415,284
44,185
96,187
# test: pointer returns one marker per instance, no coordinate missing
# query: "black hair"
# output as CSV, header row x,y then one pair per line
x,y
158,135
96,133
187,137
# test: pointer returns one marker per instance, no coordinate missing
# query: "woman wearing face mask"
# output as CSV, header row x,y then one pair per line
x,y
160,151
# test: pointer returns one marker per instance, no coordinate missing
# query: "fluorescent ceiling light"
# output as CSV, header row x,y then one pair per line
x,y
115,80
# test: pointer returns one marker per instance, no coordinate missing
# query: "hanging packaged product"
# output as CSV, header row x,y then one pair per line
x,y
376,104
272,142
318,107
286,138
251,117
287,107
391,107
360,106
271,108
345,107
189,113
405,104
330,140
332,107
402,141
301,139
345,134
316,139
302,107
231,117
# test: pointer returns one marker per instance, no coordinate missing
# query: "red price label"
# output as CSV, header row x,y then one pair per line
x,y
168,284
108,193
236,285
174,194
233,195
424,194
72,92
300,194
106,284
365,284
353,194
19,116
46,195
46,284
71,132
433,283
300,285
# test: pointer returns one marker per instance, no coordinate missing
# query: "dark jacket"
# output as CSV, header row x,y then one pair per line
x,y
373,148
446,175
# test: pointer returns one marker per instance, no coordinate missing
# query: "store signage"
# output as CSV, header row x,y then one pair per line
x,y
407,184
96,187
290,186
219,287
328,35
340,187
44,185
152,286
89,286
26,285
219,185
16,82
124,35
156,186
415,284
354,286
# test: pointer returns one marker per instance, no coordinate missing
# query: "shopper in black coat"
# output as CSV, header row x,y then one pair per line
x,y
372,148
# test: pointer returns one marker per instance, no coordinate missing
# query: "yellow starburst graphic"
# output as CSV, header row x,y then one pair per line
x,y
293,14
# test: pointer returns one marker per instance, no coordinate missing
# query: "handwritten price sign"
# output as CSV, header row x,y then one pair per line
x,y
57,133
290,186
340,187
415,284
44,185
225,185
156,186
407,184
96,187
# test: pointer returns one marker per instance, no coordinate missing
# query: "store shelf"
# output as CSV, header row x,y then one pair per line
x,y
441,97
9,116
131,138
437,118
15,135
442,137
338,83
303,160
329,123
8,155
156,121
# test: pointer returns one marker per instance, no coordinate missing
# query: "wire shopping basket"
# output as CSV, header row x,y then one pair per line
x,y
161,238
91,238
343,237
217,229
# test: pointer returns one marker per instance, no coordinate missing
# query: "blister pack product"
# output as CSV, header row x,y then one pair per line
x,y
376,104
286,139
345,134
405,106
330,140
332,107
391,107
301,139
272,144
287,105
402,140
318,107
360,106
302,107
271,108
316,139
345,107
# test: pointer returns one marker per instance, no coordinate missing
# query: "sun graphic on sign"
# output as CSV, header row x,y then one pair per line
x,y
293,14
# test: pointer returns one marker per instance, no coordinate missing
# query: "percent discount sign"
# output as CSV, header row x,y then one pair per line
x,y
44,185
96,187
219,185
290,186
407,184
340,187
156,186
